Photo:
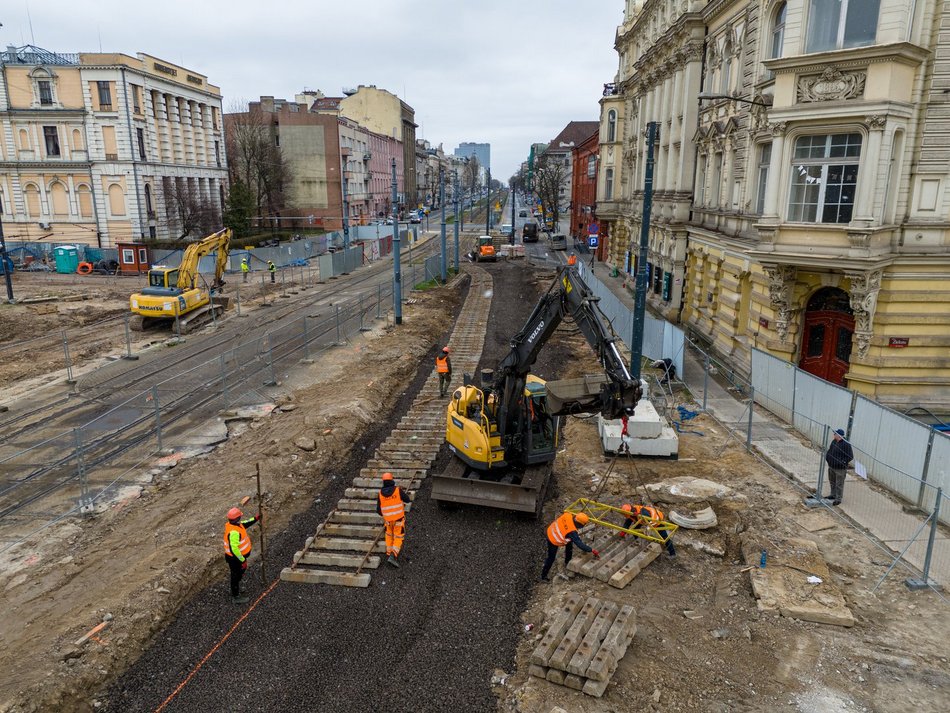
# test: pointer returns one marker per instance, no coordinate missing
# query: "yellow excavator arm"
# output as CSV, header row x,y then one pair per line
x,y
188,270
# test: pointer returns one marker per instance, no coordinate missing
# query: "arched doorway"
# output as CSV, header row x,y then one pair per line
x,y
827,335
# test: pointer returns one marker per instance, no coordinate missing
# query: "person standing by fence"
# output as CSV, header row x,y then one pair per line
x,y
272,269
838,457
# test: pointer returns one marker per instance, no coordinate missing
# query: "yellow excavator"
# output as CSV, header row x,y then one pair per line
x,y
174,294
504,429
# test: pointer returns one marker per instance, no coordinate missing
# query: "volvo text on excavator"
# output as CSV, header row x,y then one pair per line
x,y
504,431
175,293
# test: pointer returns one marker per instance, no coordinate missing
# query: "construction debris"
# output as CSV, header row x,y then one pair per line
x,y
686,489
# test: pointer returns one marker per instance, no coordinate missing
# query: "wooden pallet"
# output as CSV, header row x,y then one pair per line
x,y
621,559
584,644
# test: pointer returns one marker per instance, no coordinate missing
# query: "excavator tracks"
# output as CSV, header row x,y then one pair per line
x,y
350,544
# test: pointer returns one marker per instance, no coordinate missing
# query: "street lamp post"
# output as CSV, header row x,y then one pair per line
x,y
488,203
445,275
455,184
5,264
640,301
346,210
397,275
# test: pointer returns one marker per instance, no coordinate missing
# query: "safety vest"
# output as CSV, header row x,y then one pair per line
x,y
648,512
244,266
244,546
391,506
271,266
442,364
560,529
572,260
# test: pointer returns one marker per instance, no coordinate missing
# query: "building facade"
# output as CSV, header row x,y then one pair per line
x,y
818,221
584,190
97,148
481,151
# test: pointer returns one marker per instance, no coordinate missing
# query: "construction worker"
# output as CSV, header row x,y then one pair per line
x,y
391,505
245,267
272,268
572,259
640,515
443,365
563,533
237,548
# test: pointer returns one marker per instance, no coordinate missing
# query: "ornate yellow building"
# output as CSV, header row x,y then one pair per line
x,y
96,148
802,204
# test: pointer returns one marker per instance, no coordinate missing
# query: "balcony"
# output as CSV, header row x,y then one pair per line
x,y
611,89
112,157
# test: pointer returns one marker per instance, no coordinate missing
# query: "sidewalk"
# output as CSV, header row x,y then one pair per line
x,y
789,453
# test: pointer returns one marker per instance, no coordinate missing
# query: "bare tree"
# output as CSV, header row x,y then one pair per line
x,y
548,181
190,211
471,175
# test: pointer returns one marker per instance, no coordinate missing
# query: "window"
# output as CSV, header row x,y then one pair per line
x,y
105,96
611,126
217,153
609,184
45,91
140,135
84,198
116,200
128,256
136,100
762,178
824,178
591,166
59,200
51,137
143,256
836,24
778,30
701,179
716,187
148,201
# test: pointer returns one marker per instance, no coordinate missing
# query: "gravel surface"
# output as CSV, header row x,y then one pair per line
x,y
425,637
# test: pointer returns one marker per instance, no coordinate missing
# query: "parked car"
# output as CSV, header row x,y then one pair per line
x,y
559,241
529,233
522,213
507,230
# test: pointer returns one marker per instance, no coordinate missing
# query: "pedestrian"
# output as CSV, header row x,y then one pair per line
x,y
669,369
640,515
272,268
391,505
838,457
563,533
245,268
443,366
572,259
237,548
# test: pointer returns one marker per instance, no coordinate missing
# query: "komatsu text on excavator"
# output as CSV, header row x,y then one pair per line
x,y
174,293
505,430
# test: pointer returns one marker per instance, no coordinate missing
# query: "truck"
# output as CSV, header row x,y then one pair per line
x,y
503,428
175,295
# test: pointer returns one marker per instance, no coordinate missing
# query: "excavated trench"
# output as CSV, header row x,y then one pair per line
x,y
425,637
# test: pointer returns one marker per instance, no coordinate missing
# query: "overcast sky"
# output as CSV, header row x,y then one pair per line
x,y
510,72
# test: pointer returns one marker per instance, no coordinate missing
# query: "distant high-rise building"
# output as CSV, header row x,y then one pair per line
x,y
480,151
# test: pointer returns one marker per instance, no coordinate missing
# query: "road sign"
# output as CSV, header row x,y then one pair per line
x,y
593,229
592,241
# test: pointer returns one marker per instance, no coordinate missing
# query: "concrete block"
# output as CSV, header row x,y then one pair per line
x,y
575,682
372,494
355,518
615,559
539,671
555,676
374,484
347,545
316,576
623,576
614,645
562,619
326,559
591,642
365,532
575,634
595,688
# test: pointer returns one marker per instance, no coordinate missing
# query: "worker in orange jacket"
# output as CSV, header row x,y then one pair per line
x,y
391,504
563,533
572,260
237,548
640,515
443,366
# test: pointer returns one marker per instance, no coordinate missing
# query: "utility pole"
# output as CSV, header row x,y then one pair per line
x,y
488,203
511,238
397,276
5,264
455,183
445,274
346,210
640,303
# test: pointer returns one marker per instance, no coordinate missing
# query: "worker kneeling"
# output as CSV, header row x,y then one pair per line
x,y
640,515
391,505
563,533
237,548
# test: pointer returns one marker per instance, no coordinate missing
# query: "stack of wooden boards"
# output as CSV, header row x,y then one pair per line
x,y
621,558
584,643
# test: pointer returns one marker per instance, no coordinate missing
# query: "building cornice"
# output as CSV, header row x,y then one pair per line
x,y
48,166
852,58
53,113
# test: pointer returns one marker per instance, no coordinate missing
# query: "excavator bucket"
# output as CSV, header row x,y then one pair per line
x,y
568,395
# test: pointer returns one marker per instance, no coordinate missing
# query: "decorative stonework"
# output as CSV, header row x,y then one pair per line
x,y
778,128
865,287
781,283
831,85
875,122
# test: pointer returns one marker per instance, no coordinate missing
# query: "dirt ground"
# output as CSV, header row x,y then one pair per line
x,y
137,564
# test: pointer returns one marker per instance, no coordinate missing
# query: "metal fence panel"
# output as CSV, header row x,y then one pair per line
x,y
819,402
774,382
938,475
896,443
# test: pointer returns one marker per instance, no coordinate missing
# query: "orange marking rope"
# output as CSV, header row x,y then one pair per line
x,y
217,646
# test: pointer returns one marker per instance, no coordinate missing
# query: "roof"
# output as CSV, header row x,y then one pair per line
x,y
326,103
573,135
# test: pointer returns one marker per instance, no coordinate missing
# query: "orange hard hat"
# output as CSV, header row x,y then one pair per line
x,y
388,476
235,514
581,518
627,506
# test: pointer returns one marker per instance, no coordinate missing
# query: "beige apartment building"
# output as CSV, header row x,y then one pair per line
x,y
97,148
801,199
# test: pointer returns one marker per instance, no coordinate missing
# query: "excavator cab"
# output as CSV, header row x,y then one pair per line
x,y
162,281
485,249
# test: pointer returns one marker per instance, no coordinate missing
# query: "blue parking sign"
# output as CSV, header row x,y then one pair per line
x,y
592,241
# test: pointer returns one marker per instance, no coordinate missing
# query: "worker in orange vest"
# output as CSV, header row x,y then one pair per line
x,y
563,533
572,259
443,366
640,515
237,548
391,505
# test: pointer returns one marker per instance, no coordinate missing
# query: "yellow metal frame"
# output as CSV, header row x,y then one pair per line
x,y
644,528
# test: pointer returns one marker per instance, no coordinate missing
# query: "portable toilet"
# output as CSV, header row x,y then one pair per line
x,y
67,258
